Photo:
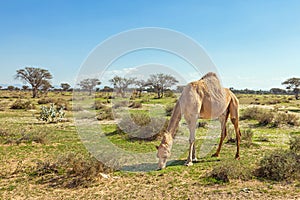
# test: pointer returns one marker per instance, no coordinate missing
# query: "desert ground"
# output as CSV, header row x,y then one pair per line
x,y
46,159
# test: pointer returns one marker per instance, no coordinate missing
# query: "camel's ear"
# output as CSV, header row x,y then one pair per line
x,y
157,147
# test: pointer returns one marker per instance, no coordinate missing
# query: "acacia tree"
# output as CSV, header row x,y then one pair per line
x,y
121,84
36,77
45,87
141,84
65,86
10,87
161,82
293,84
25,87
89,84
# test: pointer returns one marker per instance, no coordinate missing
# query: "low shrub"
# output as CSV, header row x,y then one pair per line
x,y
270,117
135,104
119,104
45,101
279,165
230,170
202,124
169,93
140,126
72,170
265,117
295,144
169,109
22,104
62,104
286,118
23,137
250,113
98,105
247,136
282,164
105,113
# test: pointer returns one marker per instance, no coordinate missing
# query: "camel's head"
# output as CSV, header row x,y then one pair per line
x,y
164,150
163,153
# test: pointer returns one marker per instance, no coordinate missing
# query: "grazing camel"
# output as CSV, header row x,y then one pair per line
x,y
204,99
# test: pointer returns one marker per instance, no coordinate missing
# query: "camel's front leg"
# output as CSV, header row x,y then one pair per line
x,y
192,127
194,158
189,161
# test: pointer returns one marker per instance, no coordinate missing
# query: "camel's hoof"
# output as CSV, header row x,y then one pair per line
x,y
215,155
188,164
237,157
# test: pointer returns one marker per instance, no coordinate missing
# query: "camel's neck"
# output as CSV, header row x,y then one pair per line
x,y
174,121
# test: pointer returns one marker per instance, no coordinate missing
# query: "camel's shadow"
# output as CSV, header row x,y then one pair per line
x,y
147,167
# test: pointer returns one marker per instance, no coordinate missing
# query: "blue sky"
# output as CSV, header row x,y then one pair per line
x,y
255,44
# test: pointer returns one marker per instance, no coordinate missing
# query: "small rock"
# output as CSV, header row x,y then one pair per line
x,y
104,175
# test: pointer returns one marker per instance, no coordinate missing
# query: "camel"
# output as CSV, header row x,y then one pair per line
x,y
202,99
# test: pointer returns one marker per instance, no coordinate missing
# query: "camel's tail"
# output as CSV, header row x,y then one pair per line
x,y
175,119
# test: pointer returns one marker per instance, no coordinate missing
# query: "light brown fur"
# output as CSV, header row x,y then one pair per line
x,y
204,99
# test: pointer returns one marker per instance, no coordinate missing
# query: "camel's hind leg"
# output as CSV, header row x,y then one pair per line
x,y
234,116
223,119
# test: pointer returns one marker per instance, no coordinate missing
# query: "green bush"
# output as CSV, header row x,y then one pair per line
x,y
22,104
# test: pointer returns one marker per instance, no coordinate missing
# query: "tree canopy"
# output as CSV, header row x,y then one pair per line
x,y
65,86
161,82
36,77
121,84
89,84
293,84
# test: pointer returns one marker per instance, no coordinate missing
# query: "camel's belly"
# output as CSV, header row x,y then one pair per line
x,y
212,111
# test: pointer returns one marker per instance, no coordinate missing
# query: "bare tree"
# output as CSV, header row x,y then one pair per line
x,y
121,84
89,84
36,77
161,82
293,84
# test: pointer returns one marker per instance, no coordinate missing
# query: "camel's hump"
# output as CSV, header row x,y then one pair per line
x,y
209,75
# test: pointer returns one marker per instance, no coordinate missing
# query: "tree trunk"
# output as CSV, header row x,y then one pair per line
x,y
34,92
